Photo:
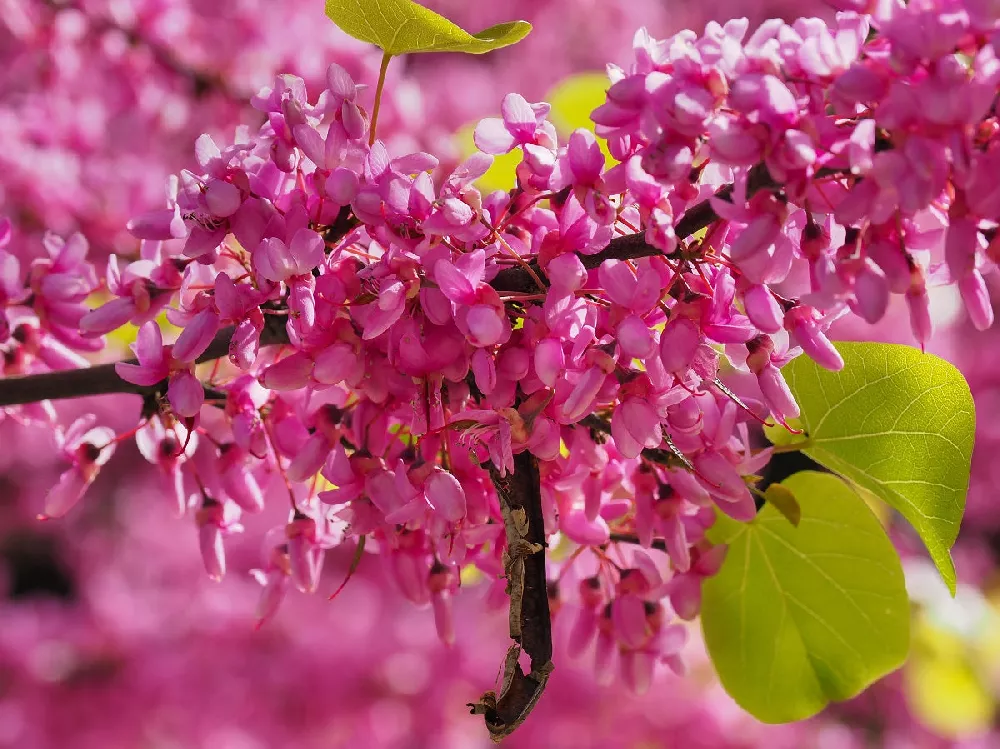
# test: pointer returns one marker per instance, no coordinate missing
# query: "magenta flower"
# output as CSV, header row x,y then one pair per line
x,y
87,448
156,364
522,124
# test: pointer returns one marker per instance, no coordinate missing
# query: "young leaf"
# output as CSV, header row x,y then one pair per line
x,y
799,617
899,423
401,26
783,500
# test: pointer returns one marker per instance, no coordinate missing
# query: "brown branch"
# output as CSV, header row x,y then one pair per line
x,y
625,538
103,380
632,246
652,454
628,247
521,502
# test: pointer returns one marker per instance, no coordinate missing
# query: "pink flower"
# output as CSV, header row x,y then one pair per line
x,y
523,124
156,363
87,448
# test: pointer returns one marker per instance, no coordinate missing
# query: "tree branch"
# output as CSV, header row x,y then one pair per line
x,y
628,247
625,538
103,380
632,246
520,497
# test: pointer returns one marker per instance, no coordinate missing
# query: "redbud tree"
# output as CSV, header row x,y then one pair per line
x,y
584,377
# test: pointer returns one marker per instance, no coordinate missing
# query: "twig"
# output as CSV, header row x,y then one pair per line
x,y
632,246
625,538
103,380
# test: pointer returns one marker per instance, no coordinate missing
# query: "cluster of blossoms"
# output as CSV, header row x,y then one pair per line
x,y
103,98
765,184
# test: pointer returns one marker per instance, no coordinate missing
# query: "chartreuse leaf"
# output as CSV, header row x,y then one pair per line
x,y
784,501
799,617
898,423
400,27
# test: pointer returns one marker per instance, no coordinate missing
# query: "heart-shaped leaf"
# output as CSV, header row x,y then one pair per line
x,y
402,26
799,617
898,423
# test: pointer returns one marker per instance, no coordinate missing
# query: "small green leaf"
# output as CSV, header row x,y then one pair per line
x,y
359,551
401,26
799,617
783,500
900,424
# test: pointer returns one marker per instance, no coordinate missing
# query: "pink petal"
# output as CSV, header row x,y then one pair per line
x,y
635,425
62,497
678,343
185,393
139,375
583,632
638,667
213,551
635,337
108,317
291,373
306,251
485,325
518,117
580,530
445,495
484,369
492,137
335,364
452,283
628,614
196,336
223,199
549,361
309,460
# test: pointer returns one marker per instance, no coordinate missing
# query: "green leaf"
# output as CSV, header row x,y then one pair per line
x,y
799,617
784,501
900,424
402,26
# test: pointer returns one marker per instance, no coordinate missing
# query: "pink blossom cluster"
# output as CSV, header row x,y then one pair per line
x,y
394,335
884,148
144,644
568,36
102,99
42,304
428,330
146,651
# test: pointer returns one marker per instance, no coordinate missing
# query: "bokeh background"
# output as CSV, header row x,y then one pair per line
x,y
112,636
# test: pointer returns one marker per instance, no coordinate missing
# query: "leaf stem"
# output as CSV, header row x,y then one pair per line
x,y
378,95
